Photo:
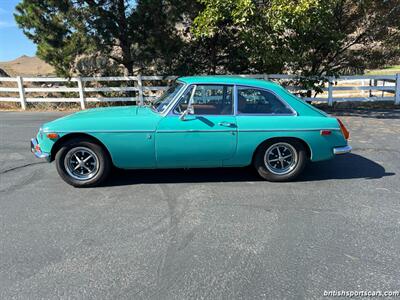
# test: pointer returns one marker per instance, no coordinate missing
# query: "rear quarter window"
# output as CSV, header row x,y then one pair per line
x,y
258,101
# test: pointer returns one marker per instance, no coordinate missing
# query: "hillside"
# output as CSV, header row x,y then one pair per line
x,y
3,73
27,66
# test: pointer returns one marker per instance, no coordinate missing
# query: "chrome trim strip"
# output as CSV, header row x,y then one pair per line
x,y
191,130
103,131
168,108
342,150
273,130
38,154
171,105
235,100
266,115
243,130
194,130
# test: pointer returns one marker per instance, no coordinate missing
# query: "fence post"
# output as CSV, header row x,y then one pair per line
x,y
81,92
140,87
330,91
21,92
375,83
397,94
363,85
370,90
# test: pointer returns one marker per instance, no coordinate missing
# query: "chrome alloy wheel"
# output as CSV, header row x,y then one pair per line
x,y
280,158
81,163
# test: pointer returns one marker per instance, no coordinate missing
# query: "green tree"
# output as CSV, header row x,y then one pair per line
x,y
160,34
304,37
44,26
104,35
307,37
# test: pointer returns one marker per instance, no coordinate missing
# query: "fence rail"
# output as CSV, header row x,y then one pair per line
x,y
336,89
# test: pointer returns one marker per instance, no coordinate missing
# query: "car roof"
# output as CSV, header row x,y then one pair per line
x,y
228,80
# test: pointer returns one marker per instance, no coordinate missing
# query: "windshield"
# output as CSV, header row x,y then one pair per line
x,y
165,99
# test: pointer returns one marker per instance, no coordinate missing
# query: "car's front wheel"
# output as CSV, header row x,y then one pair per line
x,y
81,163
280,160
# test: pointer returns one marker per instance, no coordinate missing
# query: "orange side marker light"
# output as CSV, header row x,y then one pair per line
x,y
52,135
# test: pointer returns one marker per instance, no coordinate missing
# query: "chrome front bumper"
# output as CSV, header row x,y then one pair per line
x,y
37,152
342,150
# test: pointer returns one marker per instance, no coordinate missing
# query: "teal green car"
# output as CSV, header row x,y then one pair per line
x,y
199,122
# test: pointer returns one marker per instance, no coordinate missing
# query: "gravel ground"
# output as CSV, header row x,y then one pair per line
x,y
212,233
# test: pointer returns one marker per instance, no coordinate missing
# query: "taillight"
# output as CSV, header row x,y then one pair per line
x,y
344,130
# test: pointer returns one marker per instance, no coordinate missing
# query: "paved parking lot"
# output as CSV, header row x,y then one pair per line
x,y
176,234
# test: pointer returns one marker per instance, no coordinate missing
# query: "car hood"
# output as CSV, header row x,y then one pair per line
x,y
108,118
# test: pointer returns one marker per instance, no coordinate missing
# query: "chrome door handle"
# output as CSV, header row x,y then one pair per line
x,y
226,124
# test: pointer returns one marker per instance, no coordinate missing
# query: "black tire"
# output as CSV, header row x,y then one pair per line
x,y
266,170
100,159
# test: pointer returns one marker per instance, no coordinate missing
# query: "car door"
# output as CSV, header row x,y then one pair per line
x,y
203,138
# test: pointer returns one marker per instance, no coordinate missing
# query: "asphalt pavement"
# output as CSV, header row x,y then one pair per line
x,y
211,233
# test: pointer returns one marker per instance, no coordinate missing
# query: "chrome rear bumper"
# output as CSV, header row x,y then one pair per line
x,y
37,152
342,150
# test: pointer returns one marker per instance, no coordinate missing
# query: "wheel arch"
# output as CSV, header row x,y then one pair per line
x,y
281,139
58,144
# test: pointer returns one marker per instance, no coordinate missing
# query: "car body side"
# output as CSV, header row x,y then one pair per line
x,y
138,137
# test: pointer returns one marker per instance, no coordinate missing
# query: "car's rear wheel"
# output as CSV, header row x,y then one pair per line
x,y
280,160
81,163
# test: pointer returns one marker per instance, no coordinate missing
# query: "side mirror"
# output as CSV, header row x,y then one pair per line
x,y
188,111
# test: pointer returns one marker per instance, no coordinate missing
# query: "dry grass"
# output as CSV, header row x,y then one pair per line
x,y
27,66
357,105
45,106
15,106
390,70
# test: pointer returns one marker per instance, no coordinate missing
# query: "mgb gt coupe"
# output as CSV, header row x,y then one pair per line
x,y
199,122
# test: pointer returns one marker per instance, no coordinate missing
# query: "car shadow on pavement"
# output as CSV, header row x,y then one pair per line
x,y
350,166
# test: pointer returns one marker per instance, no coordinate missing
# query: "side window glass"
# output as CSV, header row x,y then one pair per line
x,y
184,101
208,100
256,101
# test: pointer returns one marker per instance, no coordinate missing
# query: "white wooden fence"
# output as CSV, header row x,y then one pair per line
x,y
78,89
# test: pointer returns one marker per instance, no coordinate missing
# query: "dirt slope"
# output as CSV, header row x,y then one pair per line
x,y
27,66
